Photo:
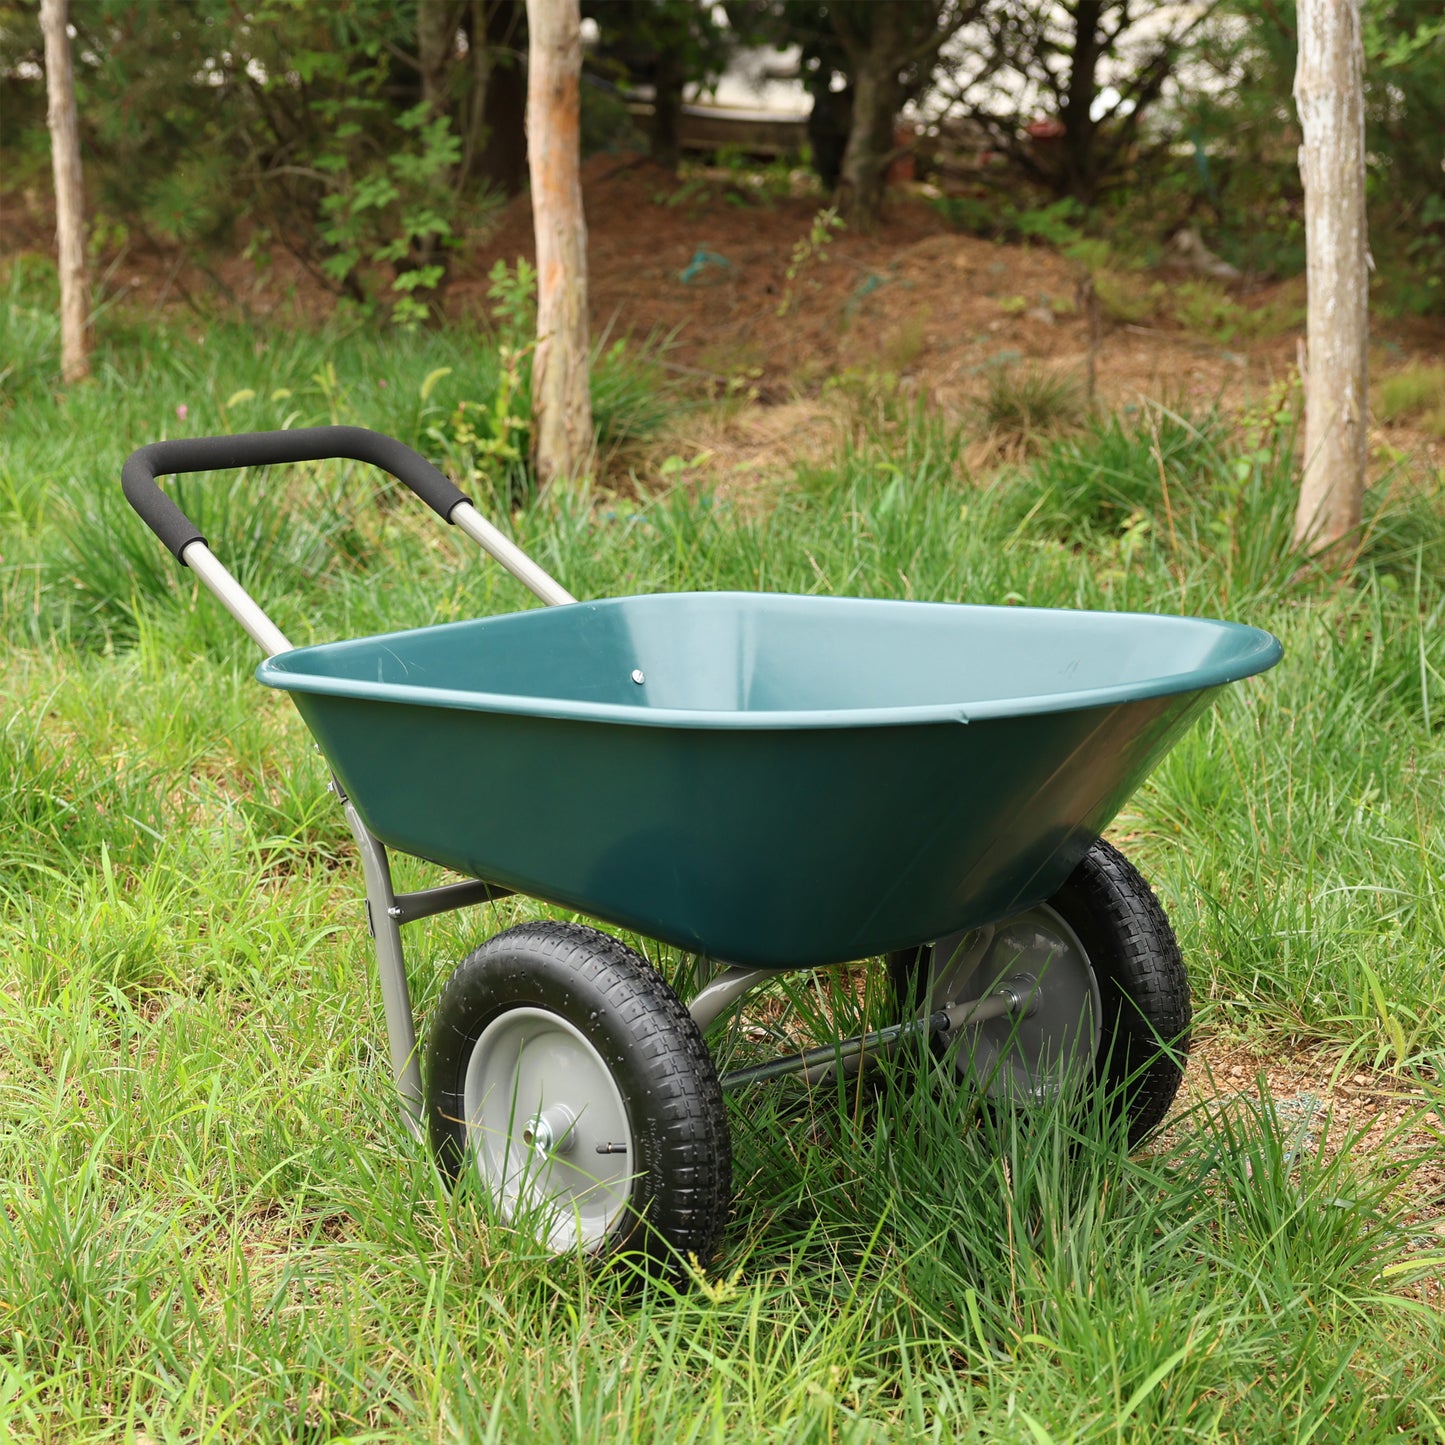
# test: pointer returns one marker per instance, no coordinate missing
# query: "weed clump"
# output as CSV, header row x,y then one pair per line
x,y
1024,409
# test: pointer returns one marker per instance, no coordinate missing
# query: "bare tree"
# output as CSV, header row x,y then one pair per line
x,y
69,194
1329,93
562,439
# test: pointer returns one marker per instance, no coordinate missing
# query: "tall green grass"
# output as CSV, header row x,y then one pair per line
x,y
212,1225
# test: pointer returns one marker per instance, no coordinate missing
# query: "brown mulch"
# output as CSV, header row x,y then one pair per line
x,y
939,310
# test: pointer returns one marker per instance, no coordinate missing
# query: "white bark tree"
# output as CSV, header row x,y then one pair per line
x,y
1329,94
69,195
562,438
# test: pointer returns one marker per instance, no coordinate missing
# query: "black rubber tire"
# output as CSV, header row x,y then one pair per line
x,y
682,1174
1143,984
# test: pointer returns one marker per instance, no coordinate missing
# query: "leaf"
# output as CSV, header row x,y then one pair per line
x,y
1149,1385
339,266
1038,1431
1391,1023
1408,1266
424,278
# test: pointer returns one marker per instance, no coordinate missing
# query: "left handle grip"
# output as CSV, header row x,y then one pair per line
x,y
269,448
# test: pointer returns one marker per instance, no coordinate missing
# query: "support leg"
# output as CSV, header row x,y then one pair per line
x,y
391,966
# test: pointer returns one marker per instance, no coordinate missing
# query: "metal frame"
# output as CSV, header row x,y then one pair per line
x,y
816,1065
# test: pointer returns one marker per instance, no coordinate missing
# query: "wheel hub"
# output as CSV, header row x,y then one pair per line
x,y
547,1128
550,1132
1050,1035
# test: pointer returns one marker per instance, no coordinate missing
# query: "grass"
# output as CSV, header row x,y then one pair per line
x,y
1414,394
212,1225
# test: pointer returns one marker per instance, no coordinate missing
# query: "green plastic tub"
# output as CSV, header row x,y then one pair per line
x,y
769,780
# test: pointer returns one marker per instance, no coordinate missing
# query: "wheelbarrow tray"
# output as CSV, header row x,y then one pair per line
x,y
771,780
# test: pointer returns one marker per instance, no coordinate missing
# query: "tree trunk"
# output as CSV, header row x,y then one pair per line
x,y
1328,92
503,159
436,38
829,122
472,120
69,194
562,440
437,22
665,141
877,97
1079,178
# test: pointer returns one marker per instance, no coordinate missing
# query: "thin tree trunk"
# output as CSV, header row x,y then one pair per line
x,y
437,22
69,193
503,159
1328,91
829,122
436,39
472,121
562,440
665,132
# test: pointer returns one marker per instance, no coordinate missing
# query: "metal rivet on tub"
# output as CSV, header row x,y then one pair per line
x,y
637,675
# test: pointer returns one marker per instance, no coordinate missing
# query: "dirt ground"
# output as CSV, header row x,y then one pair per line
x,y
1323,1104
708,269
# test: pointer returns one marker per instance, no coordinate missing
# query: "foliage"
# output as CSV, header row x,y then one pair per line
x,y
1025,408
1242,130
353,136
1217,150
1055,223
882,56
667,45
489,440
282,124
383,211
1416,393
810,250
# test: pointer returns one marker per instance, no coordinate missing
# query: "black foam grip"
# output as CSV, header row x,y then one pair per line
x,y
269,448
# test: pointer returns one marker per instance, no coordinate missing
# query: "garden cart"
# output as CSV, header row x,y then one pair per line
x,y
766,782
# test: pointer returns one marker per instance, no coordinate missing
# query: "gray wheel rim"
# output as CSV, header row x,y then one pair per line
x,y
548,1130
1050,1049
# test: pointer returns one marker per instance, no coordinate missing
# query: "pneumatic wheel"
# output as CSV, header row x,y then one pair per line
x,y
563,1070
1102,990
